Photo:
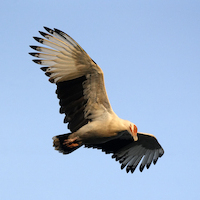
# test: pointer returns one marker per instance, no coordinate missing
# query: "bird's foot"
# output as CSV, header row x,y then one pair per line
x,y
71,142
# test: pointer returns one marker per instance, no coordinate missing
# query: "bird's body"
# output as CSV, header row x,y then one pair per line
x,y
84,101
102,130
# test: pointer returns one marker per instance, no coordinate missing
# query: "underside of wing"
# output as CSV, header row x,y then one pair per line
x,y
129,153
73,103
79,80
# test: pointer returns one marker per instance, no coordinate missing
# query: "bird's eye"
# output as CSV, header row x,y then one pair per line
x,y
135,128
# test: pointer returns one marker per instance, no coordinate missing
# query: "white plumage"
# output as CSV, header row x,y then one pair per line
x,y
84,101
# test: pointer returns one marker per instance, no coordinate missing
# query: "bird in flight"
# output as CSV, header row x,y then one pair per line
x,y
83,99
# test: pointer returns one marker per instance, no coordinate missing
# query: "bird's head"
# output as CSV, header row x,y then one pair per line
x,y
133,131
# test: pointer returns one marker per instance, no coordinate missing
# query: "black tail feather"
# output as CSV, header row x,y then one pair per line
x,y
62,148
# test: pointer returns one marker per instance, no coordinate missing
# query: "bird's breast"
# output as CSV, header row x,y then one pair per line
x,y
96,132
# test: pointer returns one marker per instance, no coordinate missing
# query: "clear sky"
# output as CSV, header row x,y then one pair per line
x,y
150,54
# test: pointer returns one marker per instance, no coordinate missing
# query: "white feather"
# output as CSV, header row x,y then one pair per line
x,y
46,56
47,50
53,45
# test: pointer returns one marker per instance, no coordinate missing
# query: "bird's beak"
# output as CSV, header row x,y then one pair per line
x,y
135,137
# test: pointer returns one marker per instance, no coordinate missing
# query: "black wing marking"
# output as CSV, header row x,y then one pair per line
x,y
72,102
129,153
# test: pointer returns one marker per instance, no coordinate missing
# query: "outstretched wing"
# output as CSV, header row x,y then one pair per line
x,y
79,80
129,153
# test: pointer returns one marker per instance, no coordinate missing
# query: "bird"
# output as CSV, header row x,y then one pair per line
x,y
83,99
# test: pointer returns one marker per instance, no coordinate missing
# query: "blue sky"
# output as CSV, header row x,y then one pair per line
x,y
150,54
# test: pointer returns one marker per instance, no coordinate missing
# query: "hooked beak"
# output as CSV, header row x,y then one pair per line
x,y
135,137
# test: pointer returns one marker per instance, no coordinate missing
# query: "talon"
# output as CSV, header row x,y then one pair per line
x,y
73,145
71,142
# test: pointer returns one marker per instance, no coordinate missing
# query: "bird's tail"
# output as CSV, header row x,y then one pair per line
x,y
62,144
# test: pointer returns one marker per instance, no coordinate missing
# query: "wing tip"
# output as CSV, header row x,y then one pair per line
x,y
48,30
141,167
44,69
38,39
44,34
161,152
34,47
34,54
37,61
58,31
130,169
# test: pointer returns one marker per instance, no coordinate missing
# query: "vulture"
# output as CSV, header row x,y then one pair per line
x,y
83,99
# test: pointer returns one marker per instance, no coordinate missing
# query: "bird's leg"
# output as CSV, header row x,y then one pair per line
x,y
71,142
